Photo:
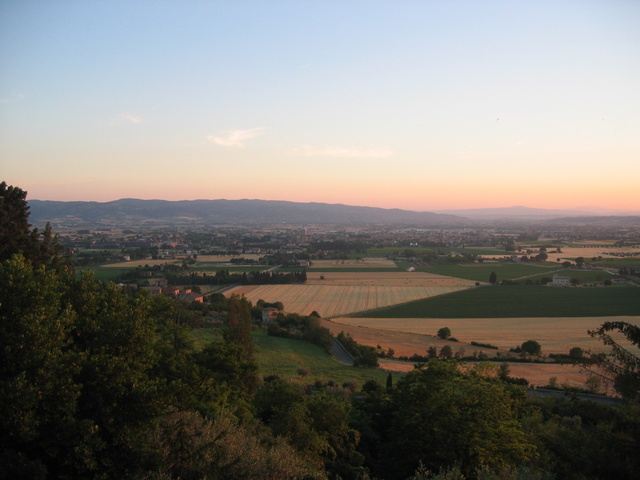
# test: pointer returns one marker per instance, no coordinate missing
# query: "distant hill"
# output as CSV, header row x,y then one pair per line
x,y
129,211
599,221
514,213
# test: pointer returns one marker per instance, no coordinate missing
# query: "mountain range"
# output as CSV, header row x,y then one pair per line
x,y
130,211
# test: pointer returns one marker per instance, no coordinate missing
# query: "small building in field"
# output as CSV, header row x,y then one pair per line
x,y
269,314
561,281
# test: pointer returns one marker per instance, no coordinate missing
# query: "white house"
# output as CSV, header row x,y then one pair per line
x,y
561,281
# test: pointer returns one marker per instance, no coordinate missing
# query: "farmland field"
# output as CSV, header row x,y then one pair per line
x,y
332,300
350,264
395,251
555,335
215,267
104,274
387,279
142,263
283,356
520,301
590,252
227,258
481,271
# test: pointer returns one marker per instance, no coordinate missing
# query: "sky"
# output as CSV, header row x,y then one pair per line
x,y
419,105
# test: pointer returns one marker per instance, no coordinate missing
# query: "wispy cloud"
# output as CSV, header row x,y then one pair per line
x,y
14,97
129,117
342,152
235,138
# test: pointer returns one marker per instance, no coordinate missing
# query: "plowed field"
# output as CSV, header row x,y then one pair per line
x,y
332,300
555,335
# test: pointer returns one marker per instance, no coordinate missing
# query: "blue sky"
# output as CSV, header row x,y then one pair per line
x,y
418,105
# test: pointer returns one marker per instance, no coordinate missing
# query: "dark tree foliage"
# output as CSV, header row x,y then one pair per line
x,y
444,333
531,347
239,323
16,235
442,416
301,327
621,365
363,355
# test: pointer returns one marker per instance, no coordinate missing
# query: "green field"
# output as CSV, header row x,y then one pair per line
x,y
354,269
399,251
619,262
481,271
104,274
581,275
283,356
520,301
215,267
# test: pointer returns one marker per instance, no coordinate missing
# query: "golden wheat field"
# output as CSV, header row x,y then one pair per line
x,y
332,300
590,252
406,344
555,335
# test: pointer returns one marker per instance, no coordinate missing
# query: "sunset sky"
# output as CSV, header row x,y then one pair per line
x,y
420,105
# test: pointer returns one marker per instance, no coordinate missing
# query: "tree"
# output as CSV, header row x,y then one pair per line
x,y
16,235
239,323
432,352
576,353
443,416
444,333
531,347
446,352
621,365
493,278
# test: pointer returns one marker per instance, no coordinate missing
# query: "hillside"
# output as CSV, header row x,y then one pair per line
x,y
221,212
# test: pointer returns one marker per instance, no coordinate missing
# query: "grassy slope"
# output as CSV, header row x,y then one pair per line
x,y
283,357
520,301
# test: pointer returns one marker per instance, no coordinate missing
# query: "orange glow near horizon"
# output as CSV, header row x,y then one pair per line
x,y
415,196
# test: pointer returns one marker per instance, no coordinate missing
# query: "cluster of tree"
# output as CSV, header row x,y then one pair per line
x,y
243,261
268,278
140,253
83,259
530,347
540,257
363,355
223,277
303,327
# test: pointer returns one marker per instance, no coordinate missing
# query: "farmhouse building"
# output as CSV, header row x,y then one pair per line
x,y
561,281
269,314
